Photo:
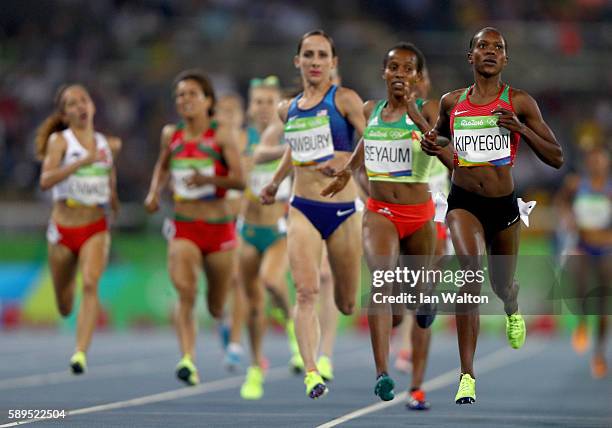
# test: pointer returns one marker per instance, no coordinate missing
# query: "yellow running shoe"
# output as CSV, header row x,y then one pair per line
x,y
252,388
315,385
515,330
580,339
466,394
187,371
325,367
78,363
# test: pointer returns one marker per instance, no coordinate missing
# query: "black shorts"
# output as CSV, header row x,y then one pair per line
x,y
495,214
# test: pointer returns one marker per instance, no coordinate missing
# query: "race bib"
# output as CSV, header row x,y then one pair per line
x,y
310,139
479,141
182,169
89,185
388,153
593,211
262,174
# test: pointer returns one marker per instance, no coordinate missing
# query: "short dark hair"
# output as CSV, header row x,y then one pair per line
x,y
321,33
202,79
485,30
405,46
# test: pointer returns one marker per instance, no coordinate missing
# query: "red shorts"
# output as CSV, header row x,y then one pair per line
x,y
209,237
442,231
75,237
407,219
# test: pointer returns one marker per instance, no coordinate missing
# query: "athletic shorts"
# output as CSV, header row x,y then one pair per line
x,y
262,237
74,237
494,214
407,219
326,217
208,237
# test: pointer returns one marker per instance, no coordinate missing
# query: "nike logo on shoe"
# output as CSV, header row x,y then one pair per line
x,y
341,213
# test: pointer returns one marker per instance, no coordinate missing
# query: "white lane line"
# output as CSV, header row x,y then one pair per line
x,y
492,361
106,371
277,373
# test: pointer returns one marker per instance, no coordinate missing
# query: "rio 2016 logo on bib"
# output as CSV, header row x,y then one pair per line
x,y
479,140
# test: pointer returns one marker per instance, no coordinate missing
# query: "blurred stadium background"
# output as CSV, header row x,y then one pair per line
x,y
127,52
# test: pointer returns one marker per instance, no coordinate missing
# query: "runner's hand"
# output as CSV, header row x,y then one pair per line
x,y
341,178
268,194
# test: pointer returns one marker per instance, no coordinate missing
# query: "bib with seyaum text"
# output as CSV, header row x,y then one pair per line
x,y
388,154
310,139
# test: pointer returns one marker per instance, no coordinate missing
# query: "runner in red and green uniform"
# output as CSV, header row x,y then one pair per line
x,y
486,122
399,216
203,161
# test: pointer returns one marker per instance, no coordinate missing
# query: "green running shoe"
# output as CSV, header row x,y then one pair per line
x,y
252,388
324,365
187,371
315,385
515,330
384,387
78,363
296,364
466,394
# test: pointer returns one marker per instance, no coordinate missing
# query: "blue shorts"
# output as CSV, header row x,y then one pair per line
x,y
324,216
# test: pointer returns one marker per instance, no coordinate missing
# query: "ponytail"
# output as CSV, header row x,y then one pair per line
x,y
52,124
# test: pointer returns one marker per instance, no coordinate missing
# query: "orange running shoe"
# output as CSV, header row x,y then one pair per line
x,y
599,367
580,339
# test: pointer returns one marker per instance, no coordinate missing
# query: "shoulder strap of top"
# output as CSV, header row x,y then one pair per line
x,y
464,95
505,95
330,95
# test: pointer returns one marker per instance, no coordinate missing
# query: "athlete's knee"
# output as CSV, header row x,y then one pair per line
x,y
64,307
90,285
306,295
345,304
186,292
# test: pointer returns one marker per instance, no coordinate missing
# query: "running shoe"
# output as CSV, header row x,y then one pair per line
x,y
599,367
466,394
416,400
296,364
187,372
384,387
580,339
233,357
325,367
315,385
426,314
252,388
78,363
515,330
403,361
